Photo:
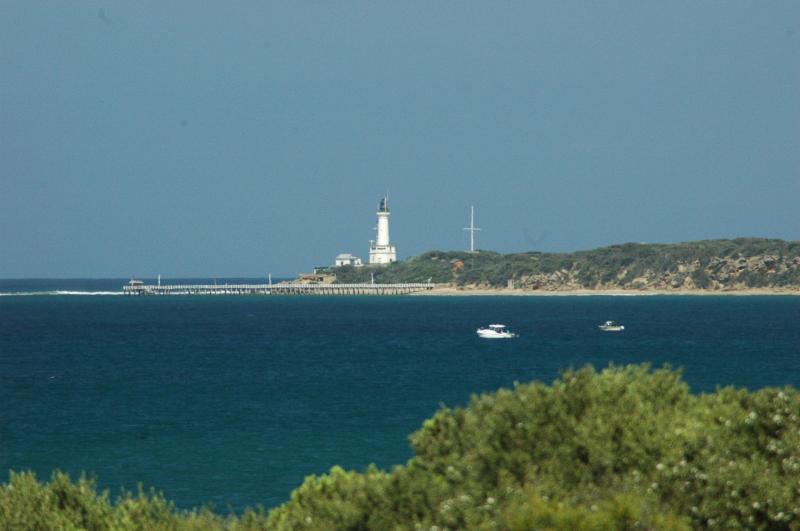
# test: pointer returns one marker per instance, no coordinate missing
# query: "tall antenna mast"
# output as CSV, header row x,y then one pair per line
x,y
472,228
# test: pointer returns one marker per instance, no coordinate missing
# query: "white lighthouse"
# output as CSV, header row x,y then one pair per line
x,y
380,251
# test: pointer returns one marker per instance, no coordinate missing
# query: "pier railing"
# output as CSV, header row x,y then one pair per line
x,y
284,288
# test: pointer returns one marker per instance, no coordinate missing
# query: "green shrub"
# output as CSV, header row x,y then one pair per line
x,y
623,448
27,504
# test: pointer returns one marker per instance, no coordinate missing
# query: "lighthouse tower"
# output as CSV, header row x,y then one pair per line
x,y
380,251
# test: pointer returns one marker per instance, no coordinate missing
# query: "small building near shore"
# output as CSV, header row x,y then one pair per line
x,y
347,259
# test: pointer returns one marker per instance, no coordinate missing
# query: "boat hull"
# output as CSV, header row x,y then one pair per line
x,y
491,334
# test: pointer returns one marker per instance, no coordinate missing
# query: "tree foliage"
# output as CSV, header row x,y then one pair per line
x,y
623,448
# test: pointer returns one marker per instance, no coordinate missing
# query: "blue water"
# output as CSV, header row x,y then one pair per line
x,y
234,400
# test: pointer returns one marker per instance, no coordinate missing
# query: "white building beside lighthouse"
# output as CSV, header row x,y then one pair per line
x,y
380,250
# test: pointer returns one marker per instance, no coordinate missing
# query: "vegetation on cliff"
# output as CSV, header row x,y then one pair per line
x,y
712,264
625,448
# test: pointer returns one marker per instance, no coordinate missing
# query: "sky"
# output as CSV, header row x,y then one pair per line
x,y
244,138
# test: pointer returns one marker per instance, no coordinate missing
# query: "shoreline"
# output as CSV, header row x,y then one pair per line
x,y
467,292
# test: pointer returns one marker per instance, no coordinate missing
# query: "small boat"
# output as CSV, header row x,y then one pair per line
x,y
611,326
495,331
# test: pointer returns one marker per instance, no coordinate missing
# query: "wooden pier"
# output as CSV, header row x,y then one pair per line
x,y
284,288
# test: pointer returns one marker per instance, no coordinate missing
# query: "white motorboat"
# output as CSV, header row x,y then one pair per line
x,y
495,331
611,326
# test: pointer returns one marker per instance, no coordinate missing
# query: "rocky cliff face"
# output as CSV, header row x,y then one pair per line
x,y
717,273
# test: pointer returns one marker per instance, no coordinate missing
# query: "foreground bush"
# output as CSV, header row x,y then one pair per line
x,y
626,448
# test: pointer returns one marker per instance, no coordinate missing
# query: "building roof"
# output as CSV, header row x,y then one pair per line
x,y
346,256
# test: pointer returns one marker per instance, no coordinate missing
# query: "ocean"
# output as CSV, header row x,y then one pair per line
x,y
234,400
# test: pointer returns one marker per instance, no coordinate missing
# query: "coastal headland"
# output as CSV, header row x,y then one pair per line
x,y
741,266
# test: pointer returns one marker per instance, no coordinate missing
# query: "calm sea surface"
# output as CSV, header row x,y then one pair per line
x,y
234,400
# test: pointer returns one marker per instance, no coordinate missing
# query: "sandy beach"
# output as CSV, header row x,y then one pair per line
x,y
468,291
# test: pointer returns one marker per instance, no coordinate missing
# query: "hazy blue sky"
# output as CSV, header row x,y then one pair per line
x,y
139,138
